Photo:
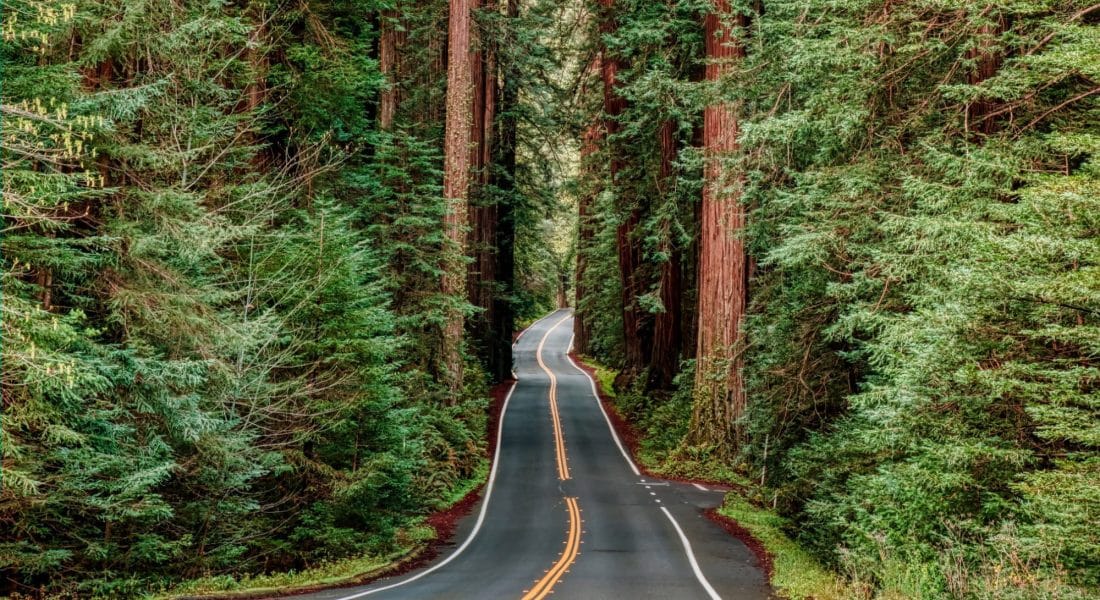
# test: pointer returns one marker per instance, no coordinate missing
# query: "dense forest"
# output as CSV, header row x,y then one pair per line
x,y
263,262
226,344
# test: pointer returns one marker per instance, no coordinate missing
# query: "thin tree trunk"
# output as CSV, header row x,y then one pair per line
x,y
257,59
719,388
988,61
456,176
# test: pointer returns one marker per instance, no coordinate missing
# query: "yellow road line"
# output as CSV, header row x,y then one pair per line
x,y
559,438
572,549
544,586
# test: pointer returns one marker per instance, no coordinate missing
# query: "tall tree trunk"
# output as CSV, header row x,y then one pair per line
x,y
586,231
503,317
456,184
719,388
481,272
667,325
390,41
582,326
636,342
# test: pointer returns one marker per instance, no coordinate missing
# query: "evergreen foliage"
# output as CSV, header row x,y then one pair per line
x,y
920,351
220,298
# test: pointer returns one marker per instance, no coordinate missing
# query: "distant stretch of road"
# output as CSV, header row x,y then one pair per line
x,y
567,513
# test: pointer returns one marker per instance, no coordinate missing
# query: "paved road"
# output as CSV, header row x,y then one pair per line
x,y
567,512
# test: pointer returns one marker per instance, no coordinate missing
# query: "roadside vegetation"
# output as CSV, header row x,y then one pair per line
x,y
848,252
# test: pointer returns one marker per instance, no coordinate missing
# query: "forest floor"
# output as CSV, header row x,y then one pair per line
x,y
792,571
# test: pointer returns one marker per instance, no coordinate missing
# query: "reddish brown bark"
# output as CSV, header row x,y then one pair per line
x,y
483,279
390,41
988,62
667,325
636,335
582,327
593,136
257,60
456,176
719,389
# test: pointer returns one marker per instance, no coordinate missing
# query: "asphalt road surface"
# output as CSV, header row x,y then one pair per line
x,y
566,512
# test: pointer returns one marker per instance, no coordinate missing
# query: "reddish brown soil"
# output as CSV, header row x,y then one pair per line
x,y
736,530
497,396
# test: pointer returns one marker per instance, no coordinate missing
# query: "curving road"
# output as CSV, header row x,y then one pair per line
x,y
566,512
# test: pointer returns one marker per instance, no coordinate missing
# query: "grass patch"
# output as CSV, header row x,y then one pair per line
x,y
410,542
795,574
605,376
687,463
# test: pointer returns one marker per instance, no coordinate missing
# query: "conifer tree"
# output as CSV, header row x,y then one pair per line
x,y
723,267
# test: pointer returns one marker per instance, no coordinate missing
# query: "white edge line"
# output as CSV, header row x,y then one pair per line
x,y
691,557
484,503
596,395
680,532
480,516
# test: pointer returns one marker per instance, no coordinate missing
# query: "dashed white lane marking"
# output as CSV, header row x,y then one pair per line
x,y
691,557
701,487
633,467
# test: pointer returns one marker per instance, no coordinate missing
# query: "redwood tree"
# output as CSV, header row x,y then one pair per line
x,y
391,37
636,337
593,135
482,284
667,325
719,388
456,176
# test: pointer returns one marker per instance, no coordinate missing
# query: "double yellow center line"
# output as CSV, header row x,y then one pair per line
x,y
572,549
559,439
544,586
